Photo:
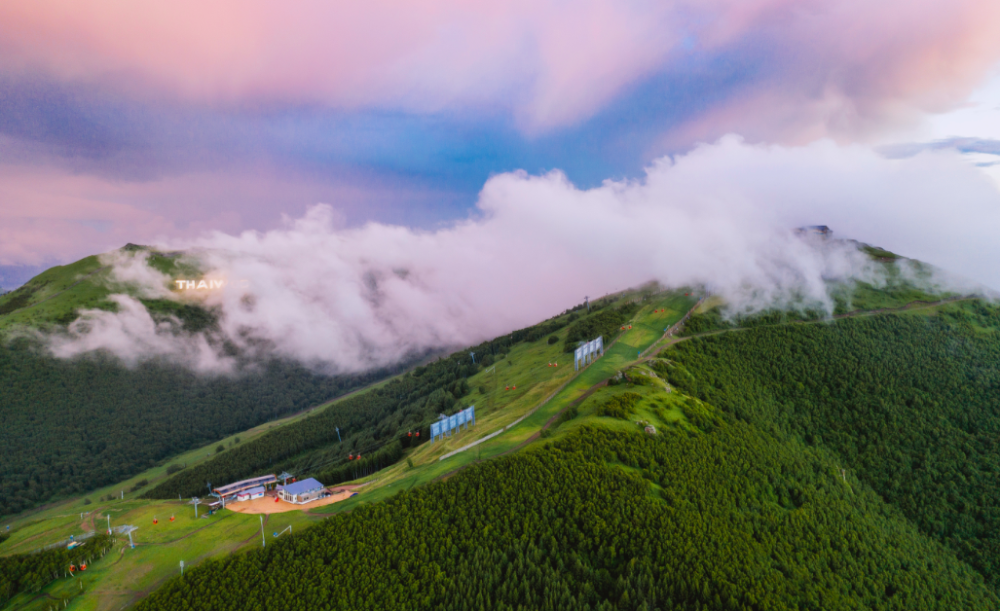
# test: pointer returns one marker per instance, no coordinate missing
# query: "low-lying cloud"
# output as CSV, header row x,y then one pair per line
x,y
347,299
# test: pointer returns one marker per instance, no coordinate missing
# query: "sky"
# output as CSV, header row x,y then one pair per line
x,y
392,178
155,121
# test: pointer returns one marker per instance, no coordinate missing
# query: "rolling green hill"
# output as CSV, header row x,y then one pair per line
x,y
738,501
716,510
56,295
779,461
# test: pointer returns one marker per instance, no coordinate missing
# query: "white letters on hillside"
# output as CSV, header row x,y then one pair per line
x,y
183,285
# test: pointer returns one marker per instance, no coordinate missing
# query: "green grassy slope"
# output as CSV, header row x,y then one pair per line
x,y
373,420
55,296
542,392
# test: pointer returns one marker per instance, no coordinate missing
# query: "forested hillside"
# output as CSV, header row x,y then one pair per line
x,y
728,518
366,421
909,404
72,426
369,421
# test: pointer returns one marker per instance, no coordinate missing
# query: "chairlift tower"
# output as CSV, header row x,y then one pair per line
x,y
284,477
129,531
195,501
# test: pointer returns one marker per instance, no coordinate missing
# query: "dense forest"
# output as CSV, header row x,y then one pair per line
x,y
32,572
729,518
72,426
909,404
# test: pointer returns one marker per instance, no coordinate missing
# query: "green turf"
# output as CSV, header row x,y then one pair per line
x,y
126,574
528,370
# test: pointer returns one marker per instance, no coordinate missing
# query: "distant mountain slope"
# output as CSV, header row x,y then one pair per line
x,y
54,296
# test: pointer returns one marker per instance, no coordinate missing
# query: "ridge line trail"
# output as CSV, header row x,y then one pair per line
x,y
913,305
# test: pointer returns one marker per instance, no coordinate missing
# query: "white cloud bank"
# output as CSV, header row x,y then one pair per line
x,y
349,299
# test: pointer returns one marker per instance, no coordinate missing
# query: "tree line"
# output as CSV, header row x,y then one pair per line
x,y
31,572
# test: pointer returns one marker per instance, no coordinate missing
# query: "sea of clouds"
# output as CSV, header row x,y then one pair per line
x,y
346,299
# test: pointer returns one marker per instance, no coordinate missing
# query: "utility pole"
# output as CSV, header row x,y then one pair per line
x,y
493,394
587,301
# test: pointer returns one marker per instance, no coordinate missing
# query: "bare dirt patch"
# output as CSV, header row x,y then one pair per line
x,y
271,504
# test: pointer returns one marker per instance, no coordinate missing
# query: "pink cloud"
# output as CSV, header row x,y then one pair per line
x,y
551,63
851,78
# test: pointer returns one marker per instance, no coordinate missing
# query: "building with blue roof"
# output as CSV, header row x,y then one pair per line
x,y
302,492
